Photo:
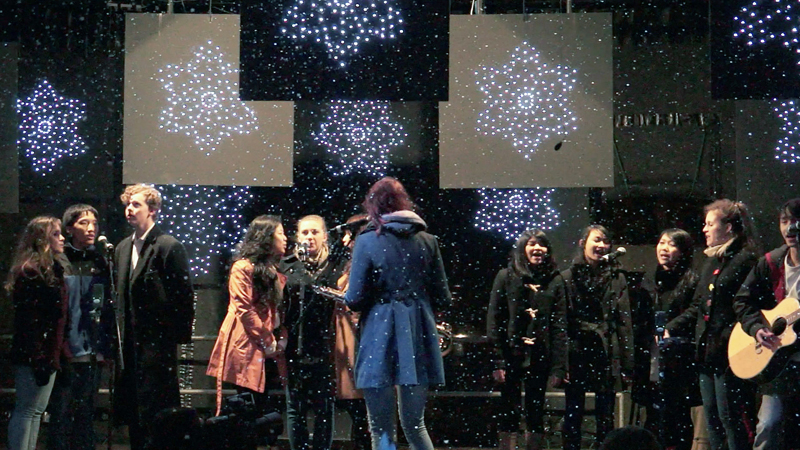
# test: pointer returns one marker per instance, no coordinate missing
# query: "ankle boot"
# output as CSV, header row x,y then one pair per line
x,y
534,441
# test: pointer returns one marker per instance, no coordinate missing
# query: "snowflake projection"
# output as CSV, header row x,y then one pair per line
x,y
206,219
360,135
764,21
342,25
787,149
526,101
203,99
509,212
49,127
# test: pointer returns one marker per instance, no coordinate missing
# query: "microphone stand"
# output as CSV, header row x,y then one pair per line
x,y
120,361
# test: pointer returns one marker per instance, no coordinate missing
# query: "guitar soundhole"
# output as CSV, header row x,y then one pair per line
x,y
779,326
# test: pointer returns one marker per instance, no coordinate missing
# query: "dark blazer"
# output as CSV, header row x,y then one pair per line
x,y
155,308
712,306
508,321
397,279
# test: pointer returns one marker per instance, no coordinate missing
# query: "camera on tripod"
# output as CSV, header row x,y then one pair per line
x,y
240,425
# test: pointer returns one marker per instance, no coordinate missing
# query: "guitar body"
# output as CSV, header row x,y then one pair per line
x,y
749,360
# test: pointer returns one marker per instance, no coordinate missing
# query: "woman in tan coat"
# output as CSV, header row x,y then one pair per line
x,y
249,348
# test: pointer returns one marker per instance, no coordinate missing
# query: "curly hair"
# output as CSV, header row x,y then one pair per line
x,y
33,254
151,196
258,248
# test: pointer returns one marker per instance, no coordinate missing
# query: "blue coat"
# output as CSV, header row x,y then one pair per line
x,y
396,280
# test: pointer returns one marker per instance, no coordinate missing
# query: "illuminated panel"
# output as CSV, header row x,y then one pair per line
x,y
342,26
49,127
206,219
203,99
786,151
527,101
763,21
360,136
509,212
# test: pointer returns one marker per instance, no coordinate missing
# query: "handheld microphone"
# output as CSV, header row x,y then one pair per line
x,y
614,255
302,251
793,230
102,241
354,225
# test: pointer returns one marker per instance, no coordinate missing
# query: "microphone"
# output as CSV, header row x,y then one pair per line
x,y
302,251
614,255
102,241
356,224
793,230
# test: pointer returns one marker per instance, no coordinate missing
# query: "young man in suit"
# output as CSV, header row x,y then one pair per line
x,y
155,307
775,277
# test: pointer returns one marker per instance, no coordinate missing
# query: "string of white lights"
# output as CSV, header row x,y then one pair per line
x,y
526,101
787,150
203,99
509,212
342,26
360,135
49,127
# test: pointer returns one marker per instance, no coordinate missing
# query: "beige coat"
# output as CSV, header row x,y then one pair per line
x,y
246,336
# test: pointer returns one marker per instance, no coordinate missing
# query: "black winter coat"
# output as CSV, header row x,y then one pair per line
x,y
712,306
599,325
509,320
762,289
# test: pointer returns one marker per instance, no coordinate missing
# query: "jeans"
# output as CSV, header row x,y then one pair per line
x,y
575,398
381,411
727,402
23,429
72,407
310,386
770,431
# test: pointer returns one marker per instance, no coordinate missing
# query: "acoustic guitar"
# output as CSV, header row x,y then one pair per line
x,y
750,360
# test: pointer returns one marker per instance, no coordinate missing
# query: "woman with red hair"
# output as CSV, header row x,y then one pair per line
x,y
397,279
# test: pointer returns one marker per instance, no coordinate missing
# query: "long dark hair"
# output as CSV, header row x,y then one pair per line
x,y
683,268
33,254
519,260
257,247
386,196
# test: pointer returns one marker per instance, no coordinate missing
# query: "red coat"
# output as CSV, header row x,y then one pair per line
x,y
246,336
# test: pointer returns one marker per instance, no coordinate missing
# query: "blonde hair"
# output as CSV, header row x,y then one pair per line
x,y
152,196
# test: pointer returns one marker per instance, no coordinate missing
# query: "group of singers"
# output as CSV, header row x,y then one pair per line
x,y
278,326
589,329
374,350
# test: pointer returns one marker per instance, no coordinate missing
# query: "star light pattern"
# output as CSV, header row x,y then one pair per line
x,y
763,21
527,101
509,212
360,135
787,149
203,99
342,25
49,127
206,219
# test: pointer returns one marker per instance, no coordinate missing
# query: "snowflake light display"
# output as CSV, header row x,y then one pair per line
x,y
787,149
342,25
49,127
360,135
205,219
512,211
764,21
203,99
527,101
